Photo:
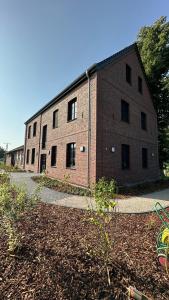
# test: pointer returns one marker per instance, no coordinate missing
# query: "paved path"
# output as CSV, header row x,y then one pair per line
x,y
131,205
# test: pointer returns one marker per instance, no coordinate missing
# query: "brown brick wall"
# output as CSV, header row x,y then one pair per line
x,y
111,131
67,132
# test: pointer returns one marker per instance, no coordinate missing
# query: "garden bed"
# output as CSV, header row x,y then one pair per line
x,y
55,261
123,192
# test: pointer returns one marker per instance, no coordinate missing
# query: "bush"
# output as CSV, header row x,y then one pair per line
x,y
104,193
14,201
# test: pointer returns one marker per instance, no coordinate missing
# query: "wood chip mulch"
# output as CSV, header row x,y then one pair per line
x,y
55,261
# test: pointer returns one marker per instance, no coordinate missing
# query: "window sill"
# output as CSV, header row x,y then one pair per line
x,y
54,167
71,168
68,121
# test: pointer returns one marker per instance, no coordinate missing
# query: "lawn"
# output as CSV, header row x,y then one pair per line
x,y
55,260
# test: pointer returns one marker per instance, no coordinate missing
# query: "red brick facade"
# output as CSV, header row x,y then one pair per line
x,y
107,87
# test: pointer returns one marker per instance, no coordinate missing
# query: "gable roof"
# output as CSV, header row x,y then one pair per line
x,y
16,149
83,77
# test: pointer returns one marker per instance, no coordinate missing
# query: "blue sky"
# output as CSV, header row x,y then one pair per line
x,y
45,44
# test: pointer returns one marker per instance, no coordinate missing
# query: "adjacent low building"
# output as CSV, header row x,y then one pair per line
x,y
15,157
102,124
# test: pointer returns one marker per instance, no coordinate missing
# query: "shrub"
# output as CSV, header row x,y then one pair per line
x,y
102,214
14,201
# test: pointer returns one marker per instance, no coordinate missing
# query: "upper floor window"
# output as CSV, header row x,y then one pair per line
x,y
143,121
29,132
53,156
144,158
55,119
34,128
128,74
27,156
125,156
33,156
124,111
44,136
71,154
72,110
140,85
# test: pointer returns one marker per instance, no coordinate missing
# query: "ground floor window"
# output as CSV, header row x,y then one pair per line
x,y
27,156
53,156
125,156
71,155
144,158
33,156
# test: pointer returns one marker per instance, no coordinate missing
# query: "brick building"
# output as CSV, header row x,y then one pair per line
x,y
102,124
15,157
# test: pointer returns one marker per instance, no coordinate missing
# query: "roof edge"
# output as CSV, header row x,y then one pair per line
x,y
64,92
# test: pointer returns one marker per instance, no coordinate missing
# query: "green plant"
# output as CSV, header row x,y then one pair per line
x,y
14,201
102,214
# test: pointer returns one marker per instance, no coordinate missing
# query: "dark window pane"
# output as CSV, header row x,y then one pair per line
x,y
143,121
33,156
29,132
125,156
124,111
27,157
34,128
55,119
53,156
72,110
128,74
140,86
44,136
71,154
144,158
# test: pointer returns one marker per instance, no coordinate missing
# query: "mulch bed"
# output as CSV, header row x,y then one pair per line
x,y
55,262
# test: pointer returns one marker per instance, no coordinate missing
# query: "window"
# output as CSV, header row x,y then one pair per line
x,y
34,128
71,153
144,158
143,121
53,156
44,136
33,156
72,110
125,156
27,156
29,132
140,85
124,111
128,74
55,119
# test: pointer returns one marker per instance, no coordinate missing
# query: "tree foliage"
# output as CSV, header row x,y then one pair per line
x,y
2,153
153,43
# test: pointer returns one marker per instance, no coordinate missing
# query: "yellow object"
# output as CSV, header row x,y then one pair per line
x,y
165,236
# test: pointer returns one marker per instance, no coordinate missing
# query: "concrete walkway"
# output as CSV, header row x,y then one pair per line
x,y
139,204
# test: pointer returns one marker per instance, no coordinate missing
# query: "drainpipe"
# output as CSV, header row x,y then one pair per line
x,y
25,147
39,143
89,128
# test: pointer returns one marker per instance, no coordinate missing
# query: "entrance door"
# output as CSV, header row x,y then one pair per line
x,y
43,163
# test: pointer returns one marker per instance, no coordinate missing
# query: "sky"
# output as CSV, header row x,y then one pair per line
x,y
46,44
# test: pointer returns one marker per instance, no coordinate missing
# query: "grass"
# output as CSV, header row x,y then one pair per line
x,y
8,168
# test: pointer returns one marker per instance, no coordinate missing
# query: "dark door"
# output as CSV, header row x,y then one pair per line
x,y
43,163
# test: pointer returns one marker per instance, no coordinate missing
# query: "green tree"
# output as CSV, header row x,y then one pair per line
x,y
153,44
2,153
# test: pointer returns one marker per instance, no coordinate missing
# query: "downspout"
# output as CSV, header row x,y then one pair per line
x,y
25,147
39,144
89,128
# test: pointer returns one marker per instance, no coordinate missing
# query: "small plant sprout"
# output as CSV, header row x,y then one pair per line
x,y
102,215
